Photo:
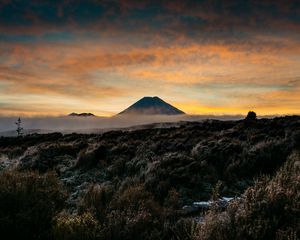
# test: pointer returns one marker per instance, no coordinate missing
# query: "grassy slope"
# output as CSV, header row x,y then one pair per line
x,y
160,170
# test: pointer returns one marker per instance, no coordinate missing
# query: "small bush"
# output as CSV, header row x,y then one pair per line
x,y
28,203
47,156
90,157
135,215
96,200
251,116
268,210
78,227
183,229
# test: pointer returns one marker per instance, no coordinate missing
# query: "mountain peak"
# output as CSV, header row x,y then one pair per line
x,y
152,106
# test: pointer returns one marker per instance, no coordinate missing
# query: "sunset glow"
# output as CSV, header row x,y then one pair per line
x,y
57,57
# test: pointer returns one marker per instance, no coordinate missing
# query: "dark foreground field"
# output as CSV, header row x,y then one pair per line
x,y
143,184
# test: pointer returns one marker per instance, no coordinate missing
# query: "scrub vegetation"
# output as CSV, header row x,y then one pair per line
x,y
139,184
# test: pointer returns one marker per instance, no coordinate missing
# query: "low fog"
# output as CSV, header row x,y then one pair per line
x,y
69,124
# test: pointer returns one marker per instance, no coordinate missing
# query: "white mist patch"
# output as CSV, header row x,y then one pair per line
x,y
69,124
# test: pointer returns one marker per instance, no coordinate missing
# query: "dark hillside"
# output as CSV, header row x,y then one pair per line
x,y
161,169
191,157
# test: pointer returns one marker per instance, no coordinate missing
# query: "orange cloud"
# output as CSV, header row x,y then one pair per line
x,y
89,70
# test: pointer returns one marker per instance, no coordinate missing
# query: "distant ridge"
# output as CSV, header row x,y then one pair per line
x,y
81,115
152,106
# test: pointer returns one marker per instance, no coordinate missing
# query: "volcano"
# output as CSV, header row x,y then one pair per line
x,y
152,106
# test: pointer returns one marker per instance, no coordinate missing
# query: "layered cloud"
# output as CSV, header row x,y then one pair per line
x,y
222,57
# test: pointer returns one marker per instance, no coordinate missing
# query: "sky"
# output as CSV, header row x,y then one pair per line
x,y
100,56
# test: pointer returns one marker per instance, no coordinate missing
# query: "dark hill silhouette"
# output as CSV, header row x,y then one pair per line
x,y
152,106
81,115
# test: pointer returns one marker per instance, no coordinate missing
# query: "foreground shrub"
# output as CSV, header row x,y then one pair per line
x,y
90,157
135,215
96,200
268,210
78,227
28,203
183,229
